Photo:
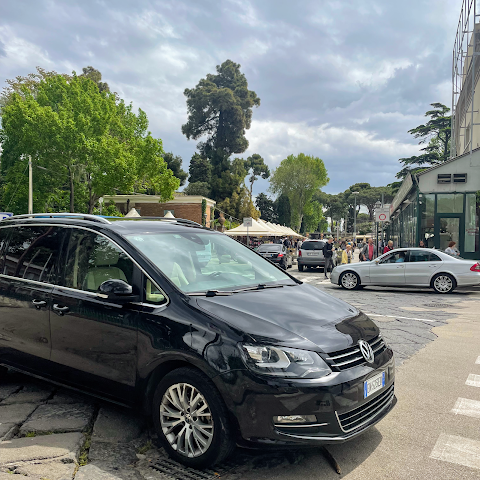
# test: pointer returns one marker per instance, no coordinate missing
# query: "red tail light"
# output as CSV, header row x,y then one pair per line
x,y
299,253
475,268
280,255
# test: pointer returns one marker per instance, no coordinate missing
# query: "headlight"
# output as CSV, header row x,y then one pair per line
x,y
285,362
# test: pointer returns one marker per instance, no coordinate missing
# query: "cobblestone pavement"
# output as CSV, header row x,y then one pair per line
x,y
47,432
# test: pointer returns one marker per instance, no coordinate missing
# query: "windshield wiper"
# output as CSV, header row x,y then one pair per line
x,y
214,293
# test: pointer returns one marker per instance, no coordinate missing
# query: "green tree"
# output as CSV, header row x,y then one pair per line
x,y
200,169
174,163
220,109
436,133
266,206
313,216
198,188
256,166
96,77
299,177
284,211
88,141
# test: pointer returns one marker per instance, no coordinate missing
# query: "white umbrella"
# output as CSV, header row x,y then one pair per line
x,y
168,215
132,214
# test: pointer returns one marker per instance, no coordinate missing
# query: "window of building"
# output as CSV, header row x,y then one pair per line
x,y
427,219
471,223
459,178
32,253
444,178
450,203
93,259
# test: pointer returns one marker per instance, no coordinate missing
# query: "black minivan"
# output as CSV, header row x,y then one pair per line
x,y
217,344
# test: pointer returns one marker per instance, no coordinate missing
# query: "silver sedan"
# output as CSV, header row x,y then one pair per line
x,y
410,267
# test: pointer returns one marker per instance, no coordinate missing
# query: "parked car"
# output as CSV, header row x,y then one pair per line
x,y
310,255
410,267
276,253
219,347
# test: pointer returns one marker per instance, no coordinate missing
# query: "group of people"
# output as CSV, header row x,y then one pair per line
x,y
345,251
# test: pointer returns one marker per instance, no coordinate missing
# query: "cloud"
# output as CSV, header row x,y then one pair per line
x,y
341,80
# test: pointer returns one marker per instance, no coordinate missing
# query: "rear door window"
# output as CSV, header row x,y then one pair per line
x,y
423,256
32,253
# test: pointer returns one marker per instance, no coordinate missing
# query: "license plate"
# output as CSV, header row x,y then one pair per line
x,y
373,384
312,254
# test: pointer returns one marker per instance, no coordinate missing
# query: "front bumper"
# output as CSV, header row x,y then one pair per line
x,y
337,401
335,277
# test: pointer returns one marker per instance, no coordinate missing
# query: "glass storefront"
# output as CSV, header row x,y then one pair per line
x,y
438,219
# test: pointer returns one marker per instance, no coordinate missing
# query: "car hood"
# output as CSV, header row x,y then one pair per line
x,y
298,316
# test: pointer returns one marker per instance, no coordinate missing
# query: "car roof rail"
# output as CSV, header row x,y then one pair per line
x,y
182,221
79,216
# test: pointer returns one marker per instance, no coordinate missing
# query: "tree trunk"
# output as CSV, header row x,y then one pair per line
x,y
91,196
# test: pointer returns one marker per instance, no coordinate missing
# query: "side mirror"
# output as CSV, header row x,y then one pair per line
x,y
377,261
118,291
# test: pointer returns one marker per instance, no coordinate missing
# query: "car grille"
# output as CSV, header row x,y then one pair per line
x,y
368,411
352,357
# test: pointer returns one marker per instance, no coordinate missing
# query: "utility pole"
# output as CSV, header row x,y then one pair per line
x,y
355,218
30,185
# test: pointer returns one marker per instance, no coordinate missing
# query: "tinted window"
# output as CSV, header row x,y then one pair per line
x,y
32,253
92,259
422,256
3,241
270,248
313,245
396,257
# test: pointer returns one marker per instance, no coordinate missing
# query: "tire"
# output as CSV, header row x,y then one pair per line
x,y
212,440
443,283
349,280
300,268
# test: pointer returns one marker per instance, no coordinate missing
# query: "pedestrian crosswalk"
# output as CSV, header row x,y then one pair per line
x,y
456,449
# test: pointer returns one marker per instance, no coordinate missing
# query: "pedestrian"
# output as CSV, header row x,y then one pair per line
x,y
452,250
299,244
388,246
369,251
328,254
347,255
422,244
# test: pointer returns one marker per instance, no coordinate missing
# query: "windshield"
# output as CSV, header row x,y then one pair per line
x,y
198,262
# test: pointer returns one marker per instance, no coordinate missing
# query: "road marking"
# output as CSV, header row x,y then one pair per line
x,y
403,318
478,361
473,380
459,450
467,407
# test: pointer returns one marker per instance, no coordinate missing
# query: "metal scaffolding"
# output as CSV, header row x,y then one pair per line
x,y
465,75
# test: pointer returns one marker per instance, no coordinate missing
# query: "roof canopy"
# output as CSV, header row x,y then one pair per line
x,y
260,228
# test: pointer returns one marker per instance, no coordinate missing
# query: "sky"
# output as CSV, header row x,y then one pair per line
x,y
342,80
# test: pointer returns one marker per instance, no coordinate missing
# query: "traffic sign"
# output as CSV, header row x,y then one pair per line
x,y
248,222
382,214
4,215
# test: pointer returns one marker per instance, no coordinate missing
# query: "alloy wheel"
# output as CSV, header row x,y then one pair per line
x,y
443,284
349,280
186,420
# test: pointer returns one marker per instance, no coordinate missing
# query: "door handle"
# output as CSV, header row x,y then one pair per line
x,y
60,310
39,303
400,266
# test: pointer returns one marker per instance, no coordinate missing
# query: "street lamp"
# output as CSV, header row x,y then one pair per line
x,y
355,218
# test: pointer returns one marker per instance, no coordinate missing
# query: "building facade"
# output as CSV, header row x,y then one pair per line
x,y
440,205
182,206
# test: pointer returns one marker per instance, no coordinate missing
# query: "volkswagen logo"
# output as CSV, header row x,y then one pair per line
x,y
366,350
